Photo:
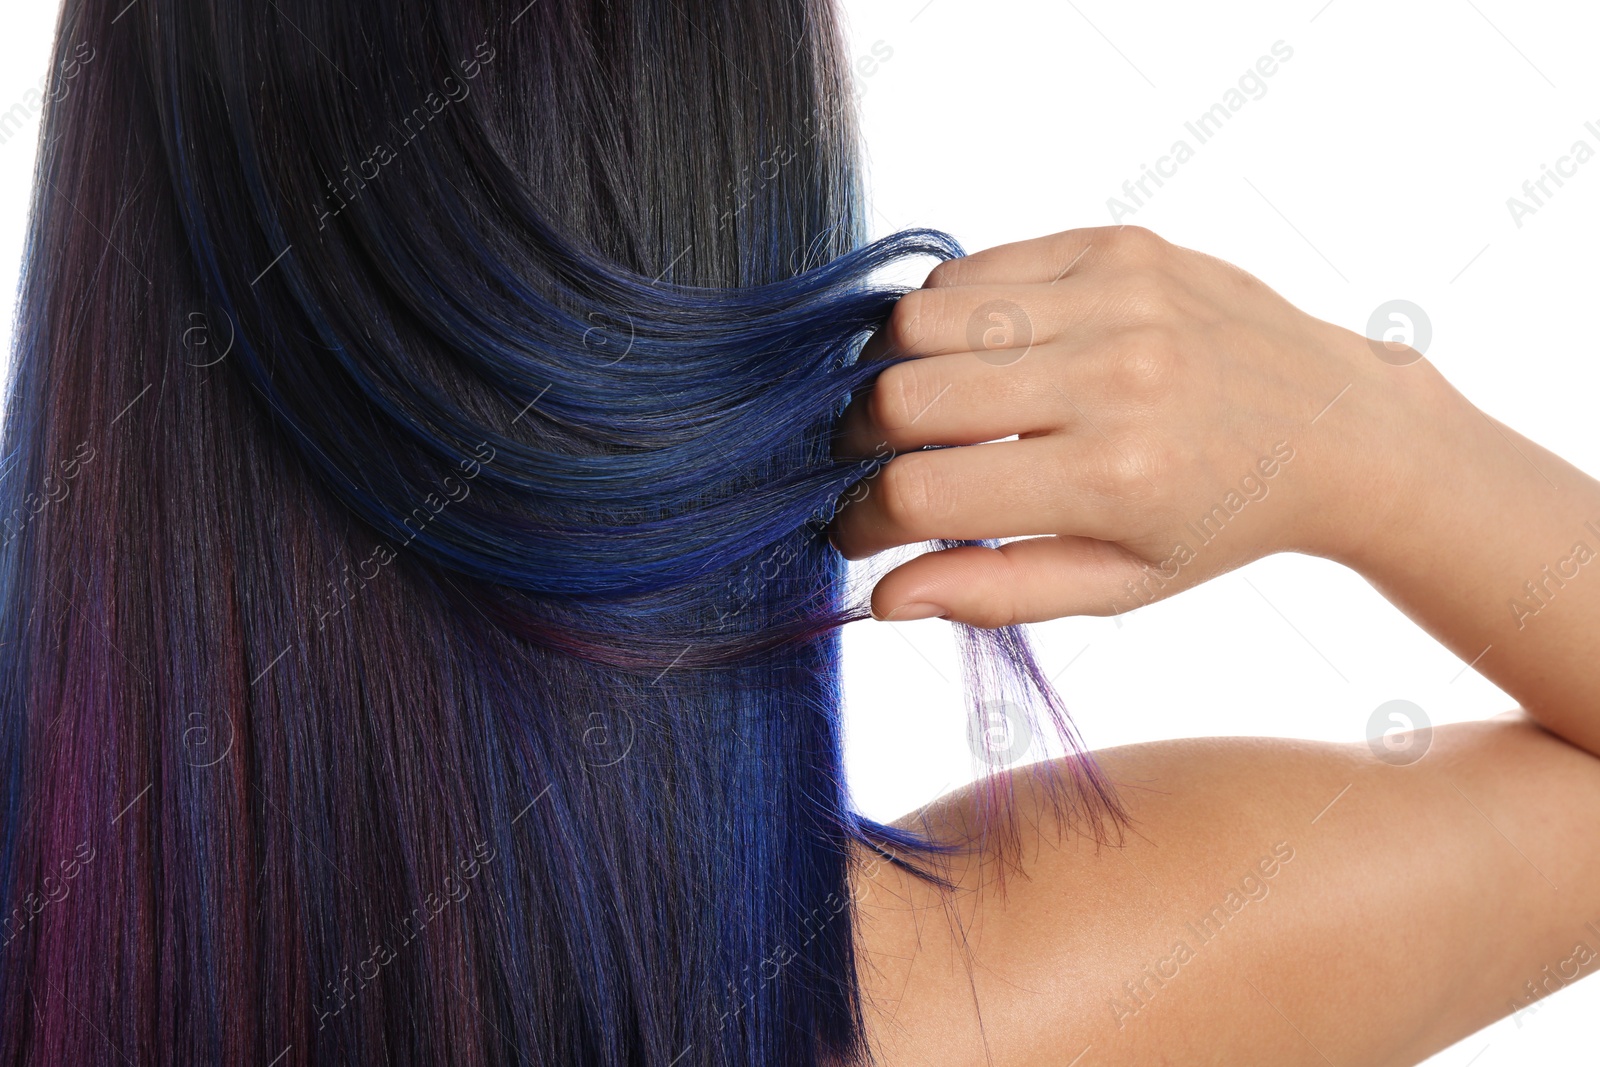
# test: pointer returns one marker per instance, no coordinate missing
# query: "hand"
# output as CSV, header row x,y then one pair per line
x,y
1175,418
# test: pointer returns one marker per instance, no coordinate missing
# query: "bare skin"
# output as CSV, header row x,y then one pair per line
x,y
1417,902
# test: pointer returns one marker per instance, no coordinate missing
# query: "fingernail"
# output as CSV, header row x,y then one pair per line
x,y
910,612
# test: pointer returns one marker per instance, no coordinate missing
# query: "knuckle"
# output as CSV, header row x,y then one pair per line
x,y
1097,473
905,329
1147,297
1128,471
1144,362
894,401
911,492
1137,243
1079,236
991,616
946,272
1143,471
1239,281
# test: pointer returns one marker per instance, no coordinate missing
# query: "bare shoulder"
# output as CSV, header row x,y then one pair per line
x,y
1274,902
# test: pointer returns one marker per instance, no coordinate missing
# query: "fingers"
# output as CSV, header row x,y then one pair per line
x,y
1021,581
964,398
947,400
1009,296
983,319
1052,484
1082,299
1043,260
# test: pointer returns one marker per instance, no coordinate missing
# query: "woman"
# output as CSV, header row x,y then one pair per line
x,y
421,626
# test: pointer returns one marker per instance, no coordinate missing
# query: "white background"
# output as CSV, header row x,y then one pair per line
x,y
1377,165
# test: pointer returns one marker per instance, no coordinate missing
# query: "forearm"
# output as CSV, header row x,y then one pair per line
x,y
1493,547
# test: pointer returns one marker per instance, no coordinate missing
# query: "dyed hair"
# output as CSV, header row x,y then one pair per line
x,y
419,642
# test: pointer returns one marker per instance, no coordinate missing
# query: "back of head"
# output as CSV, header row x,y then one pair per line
x,y
420,644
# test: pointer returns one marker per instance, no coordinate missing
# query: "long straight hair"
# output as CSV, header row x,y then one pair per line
x,y
419,642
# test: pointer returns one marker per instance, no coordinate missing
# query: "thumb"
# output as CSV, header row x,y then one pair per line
x,y
1022,581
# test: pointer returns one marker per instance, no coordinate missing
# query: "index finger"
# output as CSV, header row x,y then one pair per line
x,y
1043,261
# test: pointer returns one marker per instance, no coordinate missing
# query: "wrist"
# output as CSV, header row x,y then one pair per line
x,y
1397,452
